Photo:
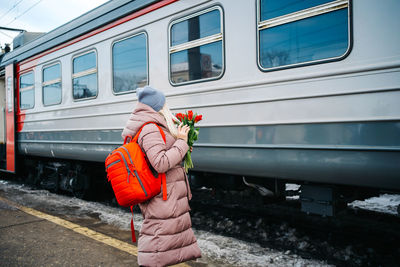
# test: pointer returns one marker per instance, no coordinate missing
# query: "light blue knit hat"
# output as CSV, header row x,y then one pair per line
x,y
151,97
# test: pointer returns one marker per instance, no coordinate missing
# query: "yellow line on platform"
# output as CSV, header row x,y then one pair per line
x,y
131,249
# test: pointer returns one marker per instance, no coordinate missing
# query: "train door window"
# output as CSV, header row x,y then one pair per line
x,y
84,76
196,47
27,90
51,85
295,33
130,66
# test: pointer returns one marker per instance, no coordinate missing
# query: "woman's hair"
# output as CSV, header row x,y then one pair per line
x,y
170,118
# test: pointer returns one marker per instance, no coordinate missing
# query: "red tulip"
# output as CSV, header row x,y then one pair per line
x,y
180,116
198,118
190,115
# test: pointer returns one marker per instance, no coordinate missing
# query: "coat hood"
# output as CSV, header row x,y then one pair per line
x,y
142,114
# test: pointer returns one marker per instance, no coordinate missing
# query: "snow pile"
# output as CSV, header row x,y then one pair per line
x,y
292,187
70,206
386,203
227,251
293,190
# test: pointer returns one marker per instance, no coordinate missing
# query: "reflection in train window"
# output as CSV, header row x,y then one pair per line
x,y
272,9
84,76
27,91
196,47
51,85
130,64
295,32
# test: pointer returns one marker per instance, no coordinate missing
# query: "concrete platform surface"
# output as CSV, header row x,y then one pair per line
x,y
27,240
32,238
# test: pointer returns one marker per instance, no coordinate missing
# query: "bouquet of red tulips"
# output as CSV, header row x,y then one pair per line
x,y
190,119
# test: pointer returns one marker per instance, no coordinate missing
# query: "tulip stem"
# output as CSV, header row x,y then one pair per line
x,y
188,161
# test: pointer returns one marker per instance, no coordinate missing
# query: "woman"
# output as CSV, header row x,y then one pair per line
x,y
166,236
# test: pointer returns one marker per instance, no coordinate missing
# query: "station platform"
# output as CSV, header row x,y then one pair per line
x,y
33,238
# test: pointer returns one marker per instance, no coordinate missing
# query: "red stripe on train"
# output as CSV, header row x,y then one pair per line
x,y
24,65
32,62
10,134
20,113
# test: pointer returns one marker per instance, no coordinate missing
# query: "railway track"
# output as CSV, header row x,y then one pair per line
x,y
352,238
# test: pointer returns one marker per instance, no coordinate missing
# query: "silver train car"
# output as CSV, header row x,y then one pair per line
x,y
305,91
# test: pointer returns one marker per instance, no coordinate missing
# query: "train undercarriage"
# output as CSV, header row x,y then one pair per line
x,y
88,180
78,178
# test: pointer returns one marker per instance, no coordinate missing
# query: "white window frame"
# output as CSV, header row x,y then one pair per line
x,y
299,15
58,80
112,60
28,88
196,43
84,73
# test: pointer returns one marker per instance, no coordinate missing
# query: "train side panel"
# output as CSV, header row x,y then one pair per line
x,y
336,122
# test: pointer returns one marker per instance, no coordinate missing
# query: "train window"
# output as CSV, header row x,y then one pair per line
x,y
27,91
196,47
130,64
84,76
293,33
51,86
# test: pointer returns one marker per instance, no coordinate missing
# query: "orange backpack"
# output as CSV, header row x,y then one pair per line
x,y
131,178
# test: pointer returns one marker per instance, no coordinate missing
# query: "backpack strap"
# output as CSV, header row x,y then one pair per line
x,y
129,139
164,186
141,128
133,227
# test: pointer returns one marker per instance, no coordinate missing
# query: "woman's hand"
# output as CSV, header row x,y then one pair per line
x,y
183,131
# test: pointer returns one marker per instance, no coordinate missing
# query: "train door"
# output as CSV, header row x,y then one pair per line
x,y
2,121
7,126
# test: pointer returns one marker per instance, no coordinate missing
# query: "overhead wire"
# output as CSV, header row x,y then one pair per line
x,y
9,36
4,14
28,9
8,11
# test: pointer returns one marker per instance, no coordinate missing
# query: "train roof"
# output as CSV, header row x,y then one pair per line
x,y
104,14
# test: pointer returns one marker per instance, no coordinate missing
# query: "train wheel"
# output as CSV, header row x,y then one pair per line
x,y
47,176
80,184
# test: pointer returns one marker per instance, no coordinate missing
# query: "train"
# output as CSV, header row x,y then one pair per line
x,y
290,91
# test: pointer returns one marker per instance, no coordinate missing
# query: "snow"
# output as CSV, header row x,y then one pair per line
x,y
385,203
229,251
217,250
292,187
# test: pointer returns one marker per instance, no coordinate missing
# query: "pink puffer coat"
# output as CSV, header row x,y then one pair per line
x,y
166,236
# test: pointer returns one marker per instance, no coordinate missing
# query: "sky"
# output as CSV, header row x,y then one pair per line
x,y
40,15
